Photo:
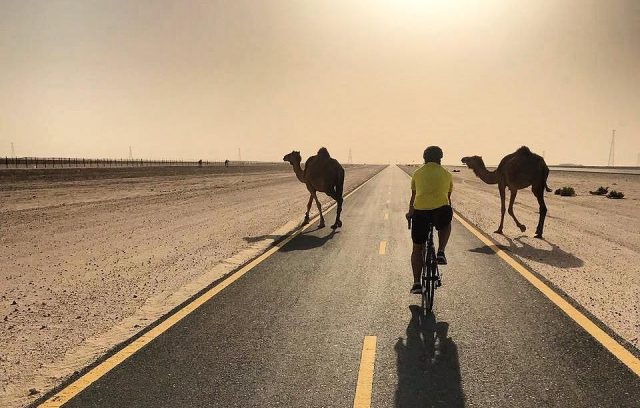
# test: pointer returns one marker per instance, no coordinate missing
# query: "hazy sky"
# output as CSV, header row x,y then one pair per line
x,y
198,79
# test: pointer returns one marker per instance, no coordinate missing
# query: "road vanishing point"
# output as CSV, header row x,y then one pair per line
x,y
325,319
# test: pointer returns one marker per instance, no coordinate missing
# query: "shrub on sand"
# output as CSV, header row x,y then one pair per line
x,y
615,194
600,191
566,192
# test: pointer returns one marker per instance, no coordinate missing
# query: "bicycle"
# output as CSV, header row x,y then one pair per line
x,y
430,276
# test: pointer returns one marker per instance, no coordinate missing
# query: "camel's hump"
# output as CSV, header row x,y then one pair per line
x,y
523,150
323,152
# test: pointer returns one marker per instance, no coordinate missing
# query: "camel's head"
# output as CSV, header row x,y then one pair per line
x,y
473,162
293,157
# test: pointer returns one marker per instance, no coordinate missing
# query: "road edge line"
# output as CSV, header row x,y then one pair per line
x,y
60,395
623,355
608,342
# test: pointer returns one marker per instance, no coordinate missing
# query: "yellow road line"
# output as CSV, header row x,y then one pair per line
x,y
597,333
383,247
608,342
364,385
101,369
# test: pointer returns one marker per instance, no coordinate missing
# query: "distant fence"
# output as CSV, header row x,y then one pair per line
x,y
75,162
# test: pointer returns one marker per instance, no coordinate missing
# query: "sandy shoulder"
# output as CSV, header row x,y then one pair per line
x,y
86,262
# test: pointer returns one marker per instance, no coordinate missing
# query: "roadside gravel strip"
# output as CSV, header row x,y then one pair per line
x,y
591,249
87,260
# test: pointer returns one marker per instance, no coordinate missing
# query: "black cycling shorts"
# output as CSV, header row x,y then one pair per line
x,y
440,217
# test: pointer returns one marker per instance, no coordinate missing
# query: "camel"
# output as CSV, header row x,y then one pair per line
x,y
321,174
516,171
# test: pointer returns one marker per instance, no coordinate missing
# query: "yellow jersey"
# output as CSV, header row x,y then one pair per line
x,y
432,184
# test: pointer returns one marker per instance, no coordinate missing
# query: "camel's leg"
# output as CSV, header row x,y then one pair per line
x,y
321,225
539,193
306,215
512,199
338,223
503,209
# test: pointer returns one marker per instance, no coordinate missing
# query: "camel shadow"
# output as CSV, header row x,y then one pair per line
x,y
303,241
428,365
307,241
554,256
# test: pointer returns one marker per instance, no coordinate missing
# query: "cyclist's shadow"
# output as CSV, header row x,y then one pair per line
x,y
428,367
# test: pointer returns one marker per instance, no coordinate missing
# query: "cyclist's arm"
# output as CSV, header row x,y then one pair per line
x,y
449,198
413,197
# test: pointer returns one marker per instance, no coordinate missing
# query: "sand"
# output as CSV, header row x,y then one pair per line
x,y
591,246
89,257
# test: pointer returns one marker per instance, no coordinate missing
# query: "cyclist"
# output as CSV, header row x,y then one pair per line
x,y
431,187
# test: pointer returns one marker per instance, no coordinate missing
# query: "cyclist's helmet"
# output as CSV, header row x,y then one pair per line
x,y
432,153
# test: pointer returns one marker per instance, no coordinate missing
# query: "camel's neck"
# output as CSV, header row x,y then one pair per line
x,y
489,177
299,172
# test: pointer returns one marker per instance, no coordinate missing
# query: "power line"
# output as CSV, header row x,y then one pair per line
x,y
612,148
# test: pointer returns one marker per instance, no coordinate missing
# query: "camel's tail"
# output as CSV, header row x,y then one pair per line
x,y
339,185
546,175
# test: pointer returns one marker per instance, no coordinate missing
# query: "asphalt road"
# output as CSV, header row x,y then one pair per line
x,y
290,332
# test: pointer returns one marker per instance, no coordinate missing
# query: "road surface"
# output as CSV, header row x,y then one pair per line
x,y
290,331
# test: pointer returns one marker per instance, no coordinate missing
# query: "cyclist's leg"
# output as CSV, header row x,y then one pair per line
x,y
443,217
417,258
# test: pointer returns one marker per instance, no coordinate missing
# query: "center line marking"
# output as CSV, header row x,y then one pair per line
x,y
365,373
383,247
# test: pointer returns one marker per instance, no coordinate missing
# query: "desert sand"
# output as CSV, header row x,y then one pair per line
x,y
89,257
591,246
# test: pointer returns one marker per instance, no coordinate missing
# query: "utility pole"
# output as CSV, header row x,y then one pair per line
x,y
130,154
612,148
239,155
350,157
13,151
638,161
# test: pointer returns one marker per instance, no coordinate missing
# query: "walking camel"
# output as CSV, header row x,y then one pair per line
x,y
321,174
516,171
